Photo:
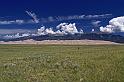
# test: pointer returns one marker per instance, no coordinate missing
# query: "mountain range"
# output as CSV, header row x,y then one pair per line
x,y
86,36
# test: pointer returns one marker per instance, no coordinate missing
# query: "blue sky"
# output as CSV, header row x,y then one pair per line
x,y
11,10
60,7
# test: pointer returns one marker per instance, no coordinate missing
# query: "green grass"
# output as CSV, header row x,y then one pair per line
x,y
61,63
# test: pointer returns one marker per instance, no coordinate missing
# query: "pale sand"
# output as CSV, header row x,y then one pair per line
x,y
61,42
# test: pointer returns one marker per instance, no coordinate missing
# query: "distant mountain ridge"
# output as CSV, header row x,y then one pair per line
x,y
85,36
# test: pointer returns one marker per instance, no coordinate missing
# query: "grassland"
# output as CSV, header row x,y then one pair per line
x,y
62,63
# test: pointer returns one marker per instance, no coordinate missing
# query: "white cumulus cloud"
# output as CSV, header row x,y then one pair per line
x,y
63,28
68,28
49,31
41,31
115,25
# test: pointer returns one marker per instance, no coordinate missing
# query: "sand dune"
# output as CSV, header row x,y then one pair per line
x,y
61,42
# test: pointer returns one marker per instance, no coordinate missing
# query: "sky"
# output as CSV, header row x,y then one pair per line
x,y
50,13
60,7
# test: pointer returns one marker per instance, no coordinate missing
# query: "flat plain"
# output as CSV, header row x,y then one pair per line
x,y
61,63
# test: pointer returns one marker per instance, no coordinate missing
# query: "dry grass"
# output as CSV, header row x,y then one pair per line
x,y
61,63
